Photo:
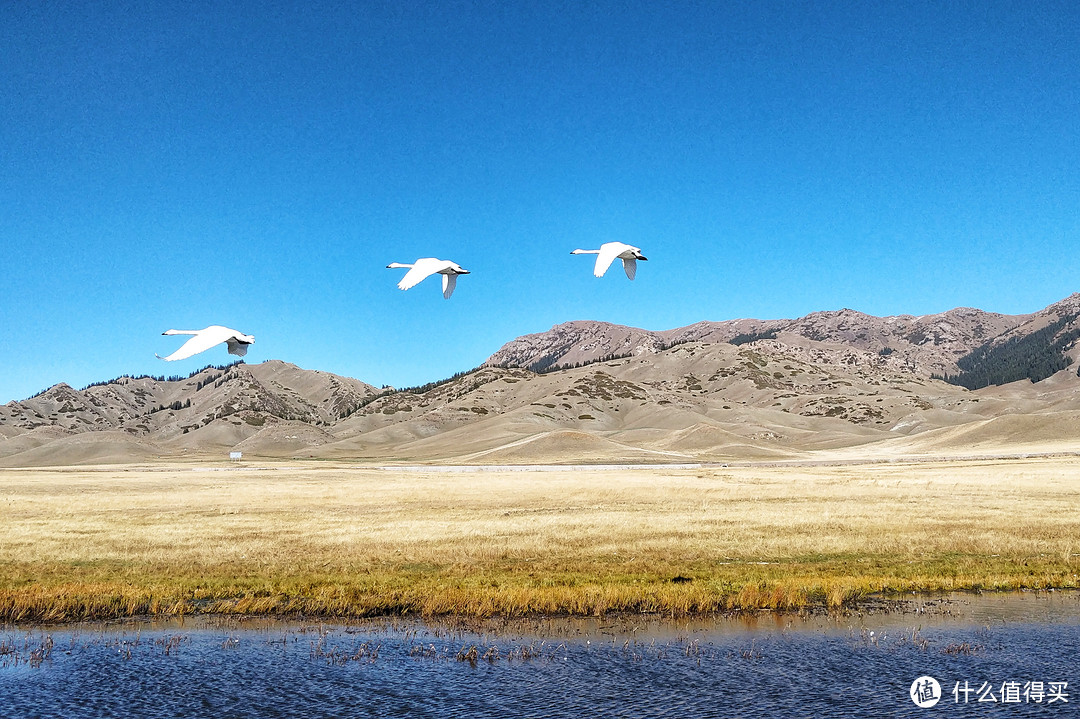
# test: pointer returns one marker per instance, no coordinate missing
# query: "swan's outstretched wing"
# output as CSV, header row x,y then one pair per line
x,y
608,252
201,342
421,269
449,282
236,347
630,265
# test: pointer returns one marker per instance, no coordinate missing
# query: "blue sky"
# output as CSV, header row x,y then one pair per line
x,y
258,166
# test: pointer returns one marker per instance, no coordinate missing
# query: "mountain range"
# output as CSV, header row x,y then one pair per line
x,y
827,386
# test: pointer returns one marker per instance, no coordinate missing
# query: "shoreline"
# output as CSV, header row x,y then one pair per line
x,y
956,605
303,608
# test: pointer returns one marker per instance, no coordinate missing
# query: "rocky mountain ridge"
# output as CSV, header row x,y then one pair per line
x,y
928,344
751,389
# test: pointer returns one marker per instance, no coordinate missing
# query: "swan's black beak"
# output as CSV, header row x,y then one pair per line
x,y
464,272
643,257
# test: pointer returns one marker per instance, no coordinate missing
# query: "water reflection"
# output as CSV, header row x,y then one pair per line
x,y
759,664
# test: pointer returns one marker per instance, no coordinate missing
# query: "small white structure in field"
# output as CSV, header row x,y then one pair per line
x,y
236,456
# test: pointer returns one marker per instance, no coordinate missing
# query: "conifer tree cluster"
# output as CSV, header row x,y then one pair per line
x,y
546,364
752,337
175,406
1035,357
421,389
157,378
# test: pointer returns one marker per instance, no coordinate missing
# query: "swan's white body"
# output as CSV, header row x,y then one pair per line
x,y
427,266
204,339
607,254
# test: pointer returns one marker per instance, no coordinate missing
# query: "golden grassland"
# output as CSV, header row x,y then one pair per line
x,y
340,540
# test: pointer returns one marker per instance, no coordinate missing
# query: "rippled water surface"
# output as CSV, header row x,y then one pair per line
x,y
760,665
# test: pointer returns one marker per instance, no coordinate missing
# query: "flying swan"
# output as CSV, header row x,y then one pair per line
x,y
426,266
205,339
607,254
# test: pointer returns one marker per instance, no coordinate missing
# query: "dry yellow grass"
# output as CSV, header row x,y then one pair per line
x,y
342,540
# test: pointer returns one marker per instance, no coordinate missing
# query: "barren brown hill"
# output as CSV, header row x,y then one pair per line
x,y
829,385
217,407
695,401
929,344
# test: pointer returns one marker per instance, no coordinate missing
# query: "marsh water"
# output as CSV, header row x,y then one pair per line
x,y
992,655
